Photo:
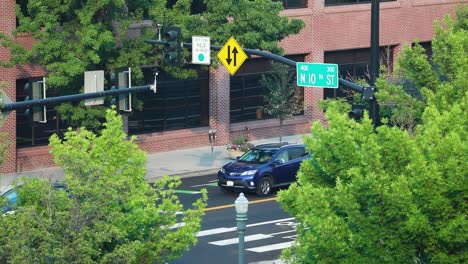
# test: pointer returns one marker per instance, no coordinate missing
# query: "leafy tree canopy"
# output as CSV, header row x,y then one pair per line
x,y
77,36
108,215
391,196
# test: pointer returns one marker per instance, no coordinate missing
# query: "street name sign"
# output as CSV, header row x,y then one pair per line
x,y
201,50
232,55
317,74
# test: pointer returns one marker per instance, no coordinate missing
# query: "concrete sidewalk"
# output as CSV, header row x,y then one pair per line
x,y
183,163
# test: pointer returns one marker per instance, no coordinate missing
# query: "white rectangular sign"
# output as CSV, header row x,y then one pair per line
x,y
94,82
201,50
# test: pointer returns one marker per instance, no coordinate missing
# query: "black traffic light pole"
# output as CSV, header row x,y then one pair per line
x,y
374,60
347,84
73,97
367,92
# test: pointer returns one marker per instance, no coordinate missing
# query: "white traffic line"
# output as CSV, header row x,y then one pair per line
x,y
232,229
291,237
271,247
232,241
216,231
284,232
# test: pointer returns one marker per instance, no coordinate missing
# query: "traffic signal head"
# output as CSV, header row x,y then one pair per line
x,y
173,46
356,112
34,90
122,80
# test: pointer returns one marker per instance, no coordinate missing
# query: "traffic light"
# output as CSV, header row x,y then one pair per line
x,y
356,112
122,79
173,46
36,89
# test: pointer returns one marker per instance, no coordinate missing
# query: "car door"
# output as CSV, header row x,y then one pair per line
x,y
281,171
296,155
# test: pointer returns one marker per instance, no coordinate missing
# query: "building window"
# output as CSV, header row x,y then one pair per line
x,y
353,65
246,94
293,4
30,133
350,2
178,104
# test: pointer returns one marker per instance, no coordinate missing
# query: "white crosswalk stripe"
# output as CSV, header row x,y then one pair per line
x,y
271,247
231,241
283,237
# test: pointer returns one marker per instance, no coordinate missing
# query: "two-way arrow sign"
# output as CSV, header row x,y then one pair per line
x,y
232,55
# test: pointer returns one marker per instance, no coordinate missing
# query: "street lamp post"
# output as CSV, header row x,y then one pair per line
x,y
242,206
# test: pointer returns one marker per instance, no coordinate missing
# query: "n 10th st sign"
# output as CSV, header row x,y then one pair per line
x,y
317,75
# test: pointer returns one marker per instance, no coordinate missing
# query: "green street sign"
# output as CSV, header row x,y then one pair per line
x,y
317,75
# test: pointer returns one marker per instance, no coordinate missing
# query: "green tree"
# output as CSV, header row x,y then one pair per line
x,y
391,196
283,98
76,36
109,214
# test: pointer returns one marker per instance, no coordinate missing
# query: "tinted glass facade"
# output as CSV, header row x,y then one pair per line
x,y
353,65
350,2
177,104
247,93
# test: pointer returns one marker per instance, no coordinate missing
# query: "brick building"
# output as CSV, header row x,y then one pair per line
x,y
336,31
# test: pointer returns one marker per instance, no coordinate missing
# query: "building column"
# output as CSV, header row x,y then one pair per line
x,y
312,95
8,83
220,103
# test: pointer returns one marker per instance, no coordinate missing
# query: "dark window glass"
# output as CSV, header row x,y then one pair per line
x,y
30,133
353,65
295,153
246,94
177,104
292,4
350,2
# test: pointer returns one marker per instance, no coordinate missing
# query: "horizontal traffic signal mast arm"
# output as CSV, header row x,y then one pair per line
x,y
346,84
73,97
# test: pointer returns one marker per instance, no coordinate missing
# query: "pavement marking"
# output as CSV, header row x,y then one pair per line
x,y
232,241
232,205
216,231
205,184
221,230
186,191
284,232
177,225
271,247
291,237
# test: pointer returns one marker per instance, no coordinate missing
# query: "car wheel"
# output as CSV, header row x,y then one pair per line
x,y
265,186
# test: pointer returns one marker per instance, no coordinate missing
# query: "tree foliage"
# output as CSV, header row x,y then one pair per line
x,y
283,98
72,37
391,196
109,214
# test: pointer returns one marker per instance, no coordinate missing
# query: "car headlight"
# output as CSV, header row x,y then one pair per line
x,y
249,172
222,170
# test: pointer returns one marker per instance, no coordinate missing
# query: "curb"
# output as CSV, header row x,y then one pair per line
x,y
185,174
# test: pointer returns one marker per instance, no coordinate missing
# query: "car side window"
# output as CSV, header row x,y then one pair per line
x,y
295,153
283,155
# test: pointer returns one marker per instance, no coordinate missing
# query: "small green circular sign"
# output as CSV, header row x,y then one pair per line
x,y
201,57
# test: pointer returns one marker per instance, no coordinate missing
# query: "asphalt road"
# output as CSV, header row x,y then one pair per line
x,y
269,228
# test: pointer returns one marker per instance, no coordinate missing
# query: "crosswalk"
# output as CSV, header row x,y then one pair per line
x,y
262,237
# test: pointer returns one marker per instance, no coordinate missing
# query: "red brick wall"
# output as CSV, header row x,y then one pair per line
x,y
327,29
7,75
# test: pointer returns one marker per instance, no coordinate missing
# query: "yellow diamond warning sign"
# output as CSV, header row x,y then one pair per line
x,y
232,55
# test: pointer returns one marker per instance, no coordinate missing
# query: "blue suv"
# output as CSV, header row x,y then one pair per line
x,y
263,168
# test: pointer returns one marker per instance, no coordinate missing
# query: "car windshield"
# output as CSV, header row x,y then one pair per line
x,y
257,156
